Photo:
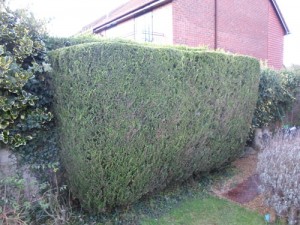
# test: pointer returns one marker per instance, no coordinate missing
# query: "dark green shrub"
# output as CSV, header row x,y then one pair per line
x,y
132,118
277,91
292,117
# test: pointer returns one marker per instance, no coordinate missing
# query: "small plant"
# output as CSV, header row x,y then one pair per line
x,y
279,170
14,208
51,206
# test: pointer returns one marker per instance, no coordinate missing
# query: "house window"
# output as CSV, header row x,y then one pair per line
x,y
154,26
144,28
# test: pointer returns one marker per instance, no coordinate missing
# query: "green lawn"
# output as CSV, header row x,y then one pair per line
x,y
208,211
190,203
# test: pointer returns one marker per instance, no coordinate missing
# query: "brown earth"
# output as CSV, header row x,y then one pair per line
x,y
245,191
242,187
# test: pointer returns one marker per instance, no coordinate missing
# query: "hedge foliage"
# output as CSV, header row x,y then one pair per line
x,y
53,43
277,92
135,118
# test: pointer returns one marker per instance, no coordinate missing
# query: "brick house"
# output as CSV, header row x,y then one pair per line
x,y
254,28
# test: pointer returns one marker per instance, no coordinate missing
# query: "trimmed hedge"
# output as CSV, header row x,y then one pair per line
x,y
53,43
133,118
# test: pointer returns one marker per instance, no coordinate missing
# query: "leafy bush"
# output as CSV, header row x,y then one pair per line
x,y
135,118
277,91
279,170
16,207
292,117
295,68
23,63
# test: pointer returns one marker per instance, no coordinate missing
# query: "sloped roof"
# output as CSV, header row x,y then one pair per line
x,y
134,5
280,16
120,11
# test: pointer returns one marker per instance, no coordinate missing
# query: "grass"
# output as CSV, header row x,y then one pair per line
x,y
187,204
208,211
203,208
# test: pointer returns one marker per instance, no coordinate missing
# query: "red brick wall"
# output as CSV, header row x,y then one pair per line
x,y
243,26
193,22
275,40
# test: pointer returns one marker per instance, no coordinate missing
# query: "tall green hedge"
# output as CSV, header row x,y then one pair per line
x,y
133,118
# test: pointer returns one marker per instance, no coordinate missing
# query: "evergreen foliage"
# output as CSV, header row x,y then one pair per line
x,y
23,63
53,43
134,118
277,91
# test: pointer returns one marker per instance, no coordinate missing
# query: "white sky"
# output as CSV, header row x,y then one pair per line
x,y
69,16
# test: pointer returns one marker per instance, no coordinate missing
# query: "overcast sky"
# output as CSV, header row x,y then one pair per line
x,y
69,16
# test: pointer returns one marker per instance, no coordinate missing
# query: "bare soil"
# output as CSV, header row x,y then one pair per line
x,y
245,191
242,188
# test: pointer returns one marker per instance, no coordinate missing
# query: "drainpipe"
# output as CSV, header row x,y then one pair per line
x,y
216,25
